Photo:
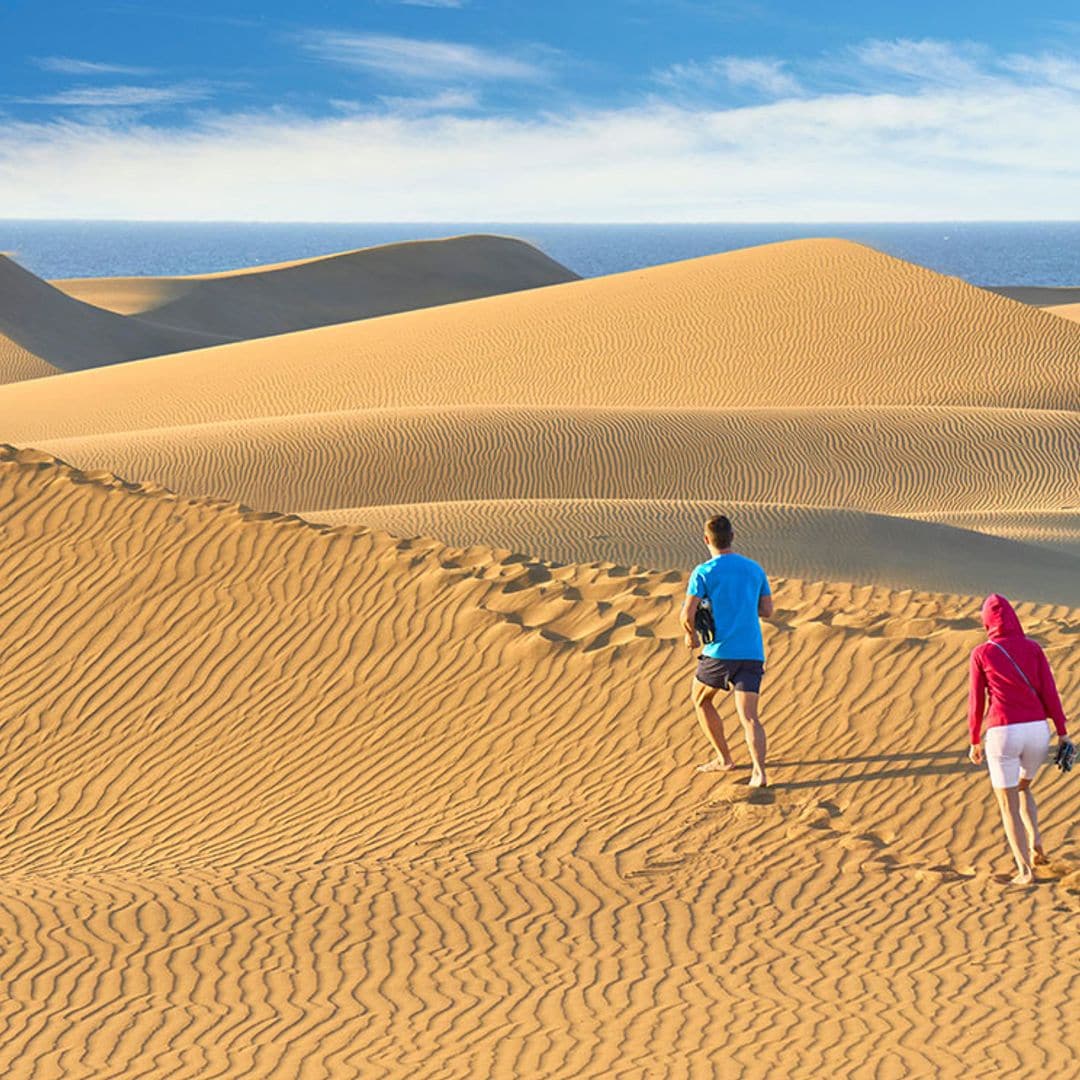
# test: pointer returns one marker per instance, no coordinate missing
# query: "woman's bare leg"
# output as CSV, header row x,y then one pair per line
x,y
1009,804
1029,814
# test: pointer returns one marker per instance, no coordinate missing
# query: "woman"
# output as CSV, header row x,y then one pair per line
x,y
1014,670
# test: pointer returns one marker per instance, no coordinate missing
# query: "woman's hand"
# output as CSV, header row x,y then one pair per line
x,y
975,754
691,641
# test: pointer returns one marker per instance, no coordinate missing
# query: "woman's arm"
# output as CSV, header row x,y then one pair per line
x,y
976,699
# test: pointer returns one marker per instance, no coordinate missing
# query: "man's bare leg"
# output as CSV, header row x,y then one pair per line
x,y
1009,804
713,726
746,704
1029,815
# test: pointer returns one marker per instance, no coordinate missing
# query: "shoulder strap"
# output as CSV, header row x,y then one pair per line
x,y
1019,669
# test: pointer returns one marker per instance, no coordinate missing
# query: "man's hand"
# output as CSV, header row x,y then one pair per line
x,y
691,641
975,754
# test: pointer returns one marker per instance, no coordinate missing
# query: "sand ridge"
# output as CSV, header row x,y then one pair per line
x,y
237,847
260,301
70,335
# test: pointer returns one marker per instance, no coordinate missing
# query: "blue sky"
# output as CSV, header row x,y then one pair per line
x,y
482,110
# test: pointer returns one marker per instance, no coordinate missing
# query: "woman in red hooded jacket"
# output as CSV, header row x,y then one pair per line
x,y
1014,671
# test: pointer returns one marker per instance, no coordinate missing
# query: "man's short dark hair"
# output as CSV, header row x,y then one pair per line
x,y
719,531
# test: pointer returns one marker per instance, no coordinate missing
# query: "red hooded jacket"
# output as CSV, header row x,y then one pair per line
x,y
1012,700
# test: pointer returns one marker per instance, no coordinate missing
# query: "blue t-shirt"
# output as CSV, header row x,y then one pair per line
x,y
733,585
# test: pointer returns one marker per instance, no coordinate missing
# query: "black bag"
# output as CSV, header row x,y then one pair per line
x,y
703,623
1066,755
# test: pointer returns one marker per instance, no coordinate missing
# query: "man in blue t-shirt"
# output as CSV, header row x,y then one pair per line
x,y
737,593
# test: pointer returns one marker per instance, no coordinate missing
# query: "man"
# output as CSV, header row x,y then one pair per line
x,y
738,594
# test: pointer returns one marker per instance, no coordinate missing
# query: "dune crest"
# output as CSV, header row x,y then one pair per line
x,y
70,335
260,301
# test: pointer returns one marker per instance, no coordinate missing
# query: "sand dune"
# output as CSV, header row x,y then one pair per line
x,y
237,845
70,335
244,837
263,300
819,379
941,465
809,323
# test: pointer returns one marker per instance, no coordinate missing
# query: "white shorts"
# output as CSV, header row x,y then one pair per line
x,y
1015,752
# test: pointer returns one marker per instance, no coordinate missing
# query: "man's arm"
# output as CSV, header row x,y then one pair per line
x,y
764,604
689,610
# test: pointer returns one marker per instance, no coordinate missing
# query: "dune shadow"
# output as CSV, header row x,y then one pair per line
x,y
930,763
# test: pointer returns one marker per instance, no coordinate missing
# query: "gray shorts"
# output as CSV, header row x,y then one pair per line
x,y
743,675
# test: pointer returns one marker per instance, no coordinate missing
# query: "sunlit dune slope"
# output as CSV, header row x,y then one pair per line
x,y
263,300
791,539
941,464
1065,311
242,838
806,323
69,335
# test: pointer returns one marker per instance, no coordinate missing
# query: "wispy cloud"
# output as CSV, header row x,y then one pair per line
x,y
113,97
924,61
444,101
66,65
1063,71
763,75
414,58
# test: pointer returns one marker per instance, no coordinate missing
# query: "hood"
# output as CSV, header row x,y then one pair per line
x,y
999,618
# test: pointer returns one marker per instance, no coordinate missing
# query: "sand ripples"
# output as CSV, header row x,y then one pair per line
x,y
291,800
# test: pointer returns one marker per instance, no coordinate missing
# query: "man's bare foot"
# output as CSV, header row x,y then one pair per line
x,y
757,780
1040,858
717,765
1023,879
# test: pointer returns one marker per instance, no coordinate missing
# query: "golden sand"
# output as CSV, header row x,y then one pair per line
x,y
284,801
290,799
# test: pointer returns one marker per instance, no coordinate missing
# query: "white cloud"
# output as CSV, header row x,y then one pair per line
x,y
413,58
996,147
112,97
762,74
66,65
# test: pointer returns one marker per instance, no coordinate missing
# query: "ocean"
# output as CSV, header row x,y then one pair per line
x,y
984,253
